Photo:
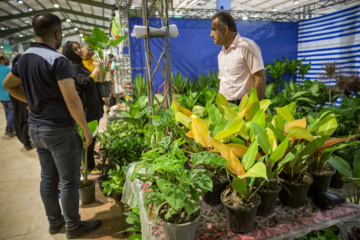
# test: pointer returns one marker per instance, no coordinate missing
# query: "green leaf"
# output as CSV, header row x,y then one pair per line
x,y
253,97
239,186
174,194
279,151
258,170
250,155
340,165
259,118
214,114
99,35
220,102
289,157
328,128
223,124
284,113
114,43
356,165
182,118
261,137
311,147
230,114
230,130
137,236
300,133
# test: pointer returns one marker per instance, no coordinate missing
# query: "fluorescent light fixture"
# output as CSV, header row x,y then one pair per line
x,y
27,21
76,29
20,35
132,7
274,9
244,18
296,1
19,1
2,46
56,5
81,35
30,9
2,28
68,20
63,34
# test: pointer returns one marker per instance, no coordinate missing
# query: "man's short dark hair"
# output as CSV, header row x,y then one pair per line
x,y
45,24
225,19
2,58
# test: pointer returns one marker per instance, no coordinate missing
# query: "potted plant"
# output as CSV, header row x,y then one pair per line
x,y
115,183
86,186
174,190
318,168
240,198
98,41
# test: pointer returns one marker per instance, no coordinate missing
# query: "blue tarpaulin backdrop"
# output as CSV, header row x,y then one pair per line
x,y
193,52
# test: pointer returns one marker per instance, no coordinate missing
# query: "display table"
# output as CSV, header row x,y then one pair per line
x,y
284,223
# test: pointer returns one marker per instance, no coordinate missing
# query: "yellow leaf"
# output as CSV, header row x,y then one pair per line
x,y
189,134
200,131
239,150
299,123
244,111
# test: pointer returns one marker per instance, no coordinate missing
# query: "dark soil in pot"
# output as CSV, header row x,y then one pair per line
x,y
220,181
178,218
322,178
269,193
239,214
87,192
336,181
295,190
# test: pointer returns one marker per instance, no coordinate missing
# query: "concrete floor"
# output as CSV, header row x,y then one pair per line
x,y
21,209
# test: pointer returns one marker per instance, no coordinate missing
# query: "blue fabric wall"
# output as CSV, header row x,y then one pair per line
x,y
193,52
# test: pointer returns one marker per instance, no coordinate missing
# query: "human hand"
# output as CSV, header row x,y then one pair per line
x,y
96,64
87,137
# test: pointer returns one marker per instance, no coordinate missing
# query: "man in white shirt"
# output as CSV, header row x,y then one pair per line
x,y
241,66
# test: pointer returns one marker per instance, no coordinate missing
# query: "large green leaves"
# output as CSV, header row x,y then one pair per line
x,y
220,102
230,130
261,137
250,155
279,152
258,170
99,35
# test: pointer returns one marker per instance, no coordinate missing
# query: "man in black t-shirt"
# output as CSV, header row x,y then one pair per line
x,y
44,79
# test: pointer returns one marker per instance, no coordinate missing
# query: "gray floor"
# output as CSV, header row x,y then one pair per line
x,y
22,215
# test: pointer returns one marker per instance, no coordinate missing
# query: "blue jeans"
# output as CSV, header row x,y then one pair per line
x,y
9,115
59,151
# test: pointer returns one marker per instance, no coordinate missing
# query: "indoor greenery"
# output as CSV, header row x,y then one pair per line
x,y
133,218
115,182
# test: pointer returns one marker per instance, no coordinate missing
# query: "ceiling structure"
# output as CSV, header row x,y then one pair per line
x,y
81,16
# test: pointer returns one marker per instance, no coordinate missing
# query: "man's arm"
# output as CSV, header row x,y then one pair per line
x,y
260,81
12,85
73,103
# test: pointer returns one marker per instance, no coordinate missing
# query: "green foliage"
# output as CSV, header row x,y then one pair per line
x,y
349,175
304,69
292,66
348,83
99,41
133,218
179,83
115,182
126,150
325,234
171,182
276,71
139,86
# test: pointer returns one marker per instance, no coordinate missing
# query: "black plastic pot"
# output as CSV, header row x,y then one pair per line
x,y
103,88
336,181
178,231
87,193
213,198
268,201
321,182
240,220
294,195
115,196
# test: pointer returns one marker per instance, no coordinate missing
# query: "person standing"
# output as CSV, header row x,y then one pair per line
x,y
5,98
241,66
44,79
20,118
88,91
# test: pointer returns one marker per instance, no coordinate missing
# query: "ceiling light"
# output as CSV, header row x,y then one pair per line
x,y
20,35
68,20
30,9
76,29
296,1
56,5
274,9
19,1
2,46
132,7
27,21
244,18
63,35
2,28
81,35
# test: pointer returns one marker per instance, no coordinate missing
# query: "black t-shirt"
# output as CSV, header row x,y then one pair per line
x,y
39,69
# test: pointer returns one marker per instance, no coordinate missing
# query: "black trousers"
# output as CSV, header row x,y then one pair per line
x,y
236,102
20,119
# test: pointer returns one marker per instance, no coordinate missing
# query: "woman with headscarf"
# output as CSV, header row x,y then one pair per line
x,y
88,92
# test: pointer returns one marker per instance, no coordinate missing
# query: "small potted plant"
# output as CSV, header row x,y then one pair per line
x,y
240,198
175,191
115,183
86,186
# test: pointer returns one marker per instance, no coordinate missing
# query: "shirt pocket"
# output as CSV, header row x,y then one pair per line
x,y
238,65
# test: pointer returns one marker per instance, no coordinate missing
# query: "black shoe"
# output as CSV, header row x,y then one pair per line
x,y
55,229
28,148
10,133
83,229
